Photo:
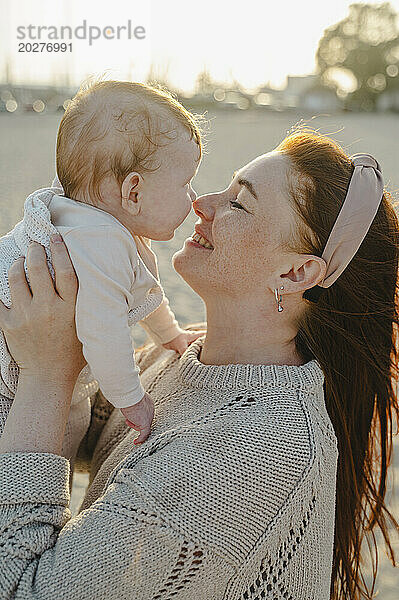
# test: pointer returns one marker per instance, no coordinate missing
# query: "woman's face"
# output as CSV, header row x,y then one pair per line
x,y
244,224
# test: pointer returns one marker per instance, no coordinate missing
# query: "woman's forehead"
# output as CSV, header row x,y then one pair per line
x,y
267,173
272,164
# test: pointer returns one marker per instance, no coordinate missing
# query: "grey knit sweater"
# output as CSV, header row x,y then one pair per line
x,y
231,497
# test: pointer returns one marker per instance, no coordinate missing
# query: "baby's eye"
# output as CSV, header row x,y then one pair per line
x,y
236,204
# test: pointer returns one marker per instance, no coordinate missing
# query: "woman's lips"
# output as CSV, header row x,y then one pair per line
x,y
198,230
192,242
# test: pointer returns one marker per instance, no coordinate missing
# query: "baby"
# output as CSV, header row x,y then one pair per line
x,y
126,154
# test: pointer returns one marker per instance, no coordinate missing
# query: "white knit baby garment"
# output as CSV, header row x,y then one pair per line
x,y
36,226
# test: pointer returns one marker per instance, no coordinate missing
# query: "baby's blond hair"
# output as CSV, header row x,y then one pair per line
x,y
116,127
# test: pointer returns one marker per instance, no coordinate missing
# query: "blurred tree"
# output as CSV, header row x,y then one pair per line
x,y
361,54
204,84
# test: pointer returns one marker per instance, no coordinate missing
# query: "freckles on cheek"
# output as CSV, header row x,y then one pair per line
x,y
254,247
264,233
228,230
248,238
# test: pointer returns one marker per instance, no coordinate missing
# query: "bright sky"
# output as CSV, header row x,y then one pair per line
x,y
254,41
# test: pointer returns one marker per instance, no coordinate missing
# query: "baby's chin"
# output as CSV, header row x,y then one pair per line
x,y
159,236
163,237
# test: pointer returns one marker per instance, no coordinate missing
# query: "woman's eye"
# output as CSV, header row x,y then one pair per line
x,y
236,204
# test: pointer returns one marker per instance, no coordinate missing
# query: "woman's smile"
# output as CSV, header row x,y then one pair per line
x,y
198,242
198,238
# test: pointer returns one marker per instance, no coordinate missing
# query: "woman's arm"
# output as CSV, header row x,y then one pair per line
x,y
120,547
41,336
38,416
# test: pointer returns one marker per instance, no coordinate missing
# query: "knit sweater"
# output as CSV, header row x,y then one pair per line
x,y
231,497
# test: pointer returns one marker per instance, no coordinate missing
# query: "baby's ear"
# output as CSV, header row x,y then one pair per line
x,y
131,191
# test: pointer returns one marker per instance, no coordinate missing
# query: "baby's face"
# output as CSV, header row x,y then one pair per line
x,y
166,194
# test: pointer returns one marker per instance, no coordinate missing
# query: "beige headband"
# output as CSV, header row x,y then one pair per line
x,y
358,210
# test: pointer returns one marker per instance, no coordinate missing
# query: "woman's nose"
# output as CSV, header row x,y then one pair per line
x,y
204,207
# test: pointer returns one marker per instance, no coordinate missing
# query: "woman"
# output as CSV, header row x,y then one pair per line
x,y
255,480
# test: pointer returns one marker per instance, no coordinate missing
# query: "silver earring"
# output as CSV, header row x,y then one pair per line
x,y
280,308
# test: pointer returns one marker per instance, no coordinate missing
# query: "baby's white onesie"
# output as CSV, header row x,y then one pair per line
x,y
118,287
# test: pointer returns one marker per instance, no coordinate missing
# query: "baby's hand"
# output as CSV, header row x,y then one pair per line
x,y
139,417
183,340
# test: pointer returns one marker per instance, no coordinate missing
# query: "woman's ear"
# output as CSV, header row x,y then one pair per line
x,y
131,192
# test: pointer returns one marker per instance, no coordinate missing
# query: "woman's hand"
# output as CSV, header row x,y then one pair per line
x,y
39,326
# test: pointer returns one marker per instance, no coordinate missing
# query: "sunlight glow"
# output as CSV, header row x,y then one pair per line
x,y
253,43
